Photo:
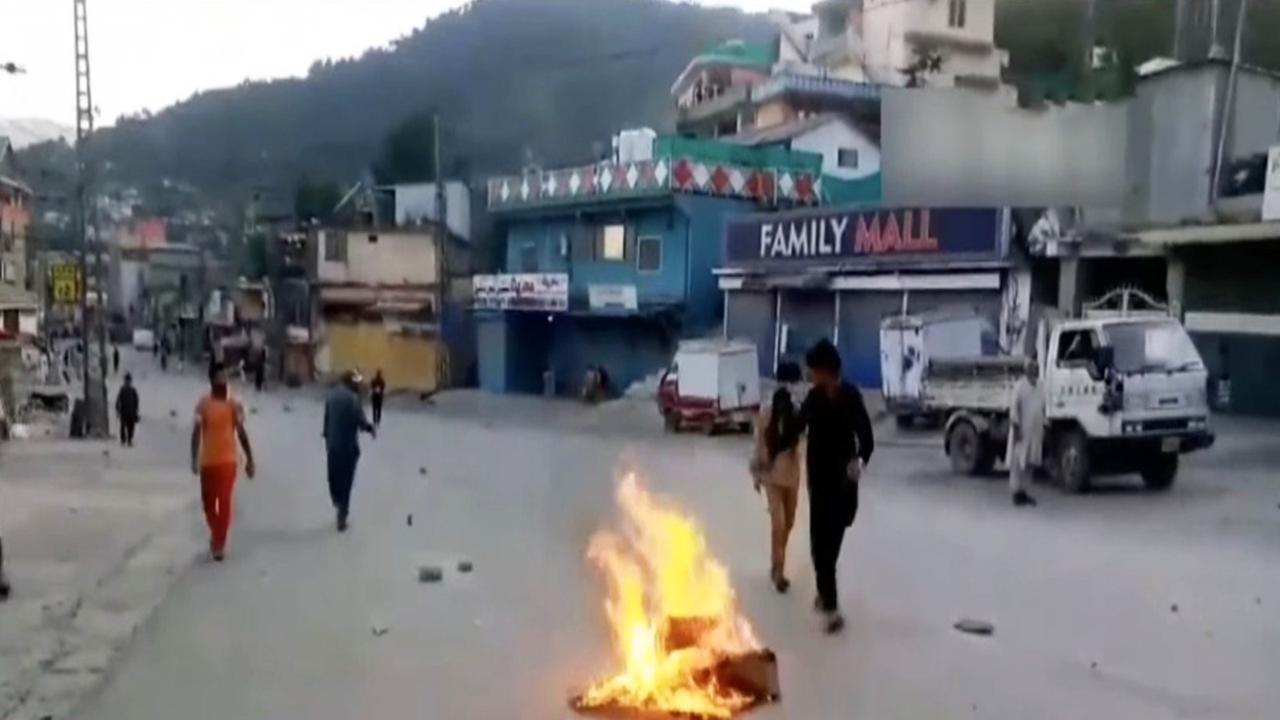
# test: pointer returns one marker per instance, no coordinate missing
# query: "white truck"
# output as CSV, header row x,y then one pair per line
x,y
910,344
711,384
1123,392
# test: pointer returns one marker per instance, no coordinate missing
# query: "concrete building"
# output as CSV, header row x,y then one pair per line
x,y
609,264
377,298
19,306
791,279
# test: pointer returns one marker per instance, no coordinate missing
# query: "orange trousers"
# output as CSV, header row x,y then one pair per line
x,y
217,482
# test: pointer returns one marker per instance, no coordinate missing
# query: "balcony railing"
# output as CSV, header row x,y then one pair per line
x,y
765,175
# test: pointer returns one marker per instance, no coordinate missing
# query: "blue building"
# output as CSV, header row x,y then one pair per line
x,y
610,265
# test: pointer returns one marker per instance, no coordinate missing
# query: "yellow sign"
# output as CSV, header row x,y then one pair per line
x,y
65,283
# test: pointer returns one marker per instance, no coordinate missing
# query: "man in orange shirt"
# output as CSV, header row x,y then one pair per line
x,y
219,423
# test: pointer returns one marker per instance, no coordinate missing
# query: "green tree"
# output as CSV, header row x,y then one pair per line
x,y
408,152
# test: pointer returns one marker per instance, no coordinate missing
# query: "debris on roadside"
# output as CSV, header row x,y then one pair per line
x,y
1093,665
1173,608
422,471
465,566
380,630
430,574
975,627
409,520
173,413
288,408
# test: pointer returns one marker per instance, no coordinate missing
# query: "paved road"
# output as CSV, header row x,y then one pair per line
x,y
1081,590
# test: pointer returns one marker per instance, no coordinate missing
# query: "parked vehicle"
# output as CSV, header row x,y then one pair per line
x,y
144,339
711,385
911,343
1123,392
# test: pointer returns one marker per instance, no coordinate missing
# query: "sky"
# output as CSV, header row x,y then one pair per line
x,y
148,54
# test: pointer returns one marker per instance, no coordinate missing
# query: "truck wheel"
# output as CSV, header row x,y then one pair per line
x,y
671,422
1072,461
1160,472
965,448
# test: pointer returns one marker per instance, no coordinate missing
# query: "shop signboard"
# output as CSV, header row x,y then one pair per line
x,y
544,292
64,283
848,238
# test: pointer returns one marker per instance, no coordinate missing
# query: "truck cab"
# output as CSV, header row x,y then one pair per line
x,y
1122,394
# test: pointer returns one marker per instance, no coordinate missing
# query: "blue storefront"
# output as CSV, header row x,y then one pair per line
x,y
612,265
791,279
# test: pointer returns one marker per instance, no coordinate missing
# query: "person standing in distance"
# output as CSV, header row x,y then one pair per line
x,y
840,443
344,420
219,423
127,410
377,393
1026,434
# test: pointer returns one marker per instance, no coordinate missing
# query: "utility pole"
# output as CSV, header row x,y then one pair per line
x,y
97,417
1215,187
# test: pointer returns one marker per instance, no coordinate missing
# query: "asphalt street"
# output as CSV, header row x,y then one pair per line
x,y
1118,604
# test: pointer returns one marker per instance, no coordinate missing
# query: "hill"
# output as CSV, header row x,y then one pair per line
x,y
512,80
23,132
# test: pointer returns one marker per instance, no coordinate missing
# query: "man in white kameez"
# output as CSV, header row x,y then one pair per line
x,y
1026,434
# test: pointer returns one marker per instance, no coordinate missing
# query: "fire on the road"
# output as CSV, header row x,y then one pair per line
x,y
674,618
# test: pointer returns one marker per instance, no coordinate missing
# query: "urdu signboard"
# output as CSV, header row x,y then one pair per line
x,y
543,292
864,236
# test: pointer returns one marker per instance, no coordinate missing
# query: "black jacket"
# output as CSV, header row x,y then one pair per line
x,y
127,403
839,429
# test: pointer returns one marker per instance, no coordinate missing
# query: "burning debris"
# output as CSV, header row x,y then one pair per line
x,y
684,647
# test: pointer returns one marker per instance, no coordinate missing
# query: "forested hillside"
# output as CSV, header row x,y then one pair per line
x,y
519,81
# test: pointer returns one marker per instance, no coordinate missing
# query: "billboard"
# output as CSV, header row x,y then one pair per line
x,y
546,292
64,283
867,236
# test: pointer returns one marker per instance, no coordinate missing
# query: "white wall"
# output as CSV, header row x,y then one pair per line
x,y
886,24
417,201
954,147
396,258
829,138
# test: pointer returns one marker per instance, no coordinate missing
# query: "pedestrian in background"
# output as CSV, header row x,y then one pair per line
x,y
775,467
840,443
127,407
344,420
4,580
115,360
377,393
219,423
1026,434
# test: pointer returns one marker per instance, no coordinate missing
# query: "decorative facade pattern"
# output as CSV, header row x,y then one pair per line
x,y
685,174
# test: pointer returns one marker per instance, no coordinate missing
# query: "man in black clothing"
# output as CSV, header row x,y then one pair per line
x,y
839,447
377,393
4,581
127,410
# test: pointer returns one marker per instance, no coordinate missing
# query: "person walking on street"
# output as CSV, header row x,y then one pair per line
x,y
840,443
1026,434
377,393
344,420
4,580
219,423
775,467
259,368
127,410
115,360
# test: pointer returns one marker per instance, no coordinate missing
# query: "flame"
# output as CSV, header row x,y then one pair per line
x,y
661,575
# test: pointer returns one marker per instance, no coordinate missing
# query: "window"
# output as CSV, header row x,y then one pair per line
x,y
848,158
611,243
1075,347
335,247
649,254
528,259
956,11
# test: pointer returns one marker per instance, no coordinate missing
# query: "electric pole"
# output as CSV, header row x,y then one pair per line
x,y
96,419
442,245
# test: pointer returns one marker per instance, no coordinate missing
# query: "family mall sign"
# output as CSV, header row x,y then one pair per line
x,y
845,237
